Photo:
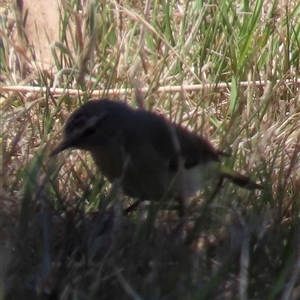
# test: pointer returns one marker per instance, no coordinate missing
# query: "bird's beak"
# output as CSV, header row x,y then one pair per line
x,y
61,147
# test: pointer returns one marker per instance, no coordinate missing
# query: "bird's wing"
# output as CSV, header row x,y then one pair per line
x,y
194,148
145,172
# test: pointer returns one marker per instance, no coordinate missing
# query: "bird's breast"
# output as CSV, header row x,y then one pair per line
x,y
109,160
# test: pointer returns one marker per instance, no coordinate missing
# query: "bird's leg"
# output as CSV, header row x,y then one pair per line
x,y
132,207
181,206
217,189
193,234
179,232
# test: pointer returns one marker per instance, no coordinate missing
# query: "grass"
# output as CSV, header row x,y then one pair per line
x,y
57,215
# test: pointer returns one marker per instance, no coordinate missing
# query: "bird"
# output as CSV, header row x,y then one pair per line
x,y
153,158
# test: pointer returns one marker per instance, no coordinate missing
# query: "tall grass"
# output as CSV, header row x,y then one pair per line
x,y
69,240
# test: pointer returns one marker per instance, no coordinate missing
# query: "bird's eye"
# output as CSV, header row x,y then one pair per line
x,y
79,121
90,130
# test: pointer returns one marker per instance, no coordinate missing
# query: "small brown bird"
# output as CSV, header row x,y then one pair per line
x,y
153,158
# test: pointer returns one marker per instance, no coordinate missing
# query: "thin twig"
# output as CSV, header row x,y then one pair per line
x,y
162,89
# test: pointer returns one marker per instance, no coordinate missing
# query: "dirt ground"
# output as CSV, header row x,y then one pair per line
x,y
42,21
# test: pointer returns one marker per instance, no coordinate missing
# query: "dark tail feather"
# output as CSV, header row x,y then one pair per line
x,y
239,179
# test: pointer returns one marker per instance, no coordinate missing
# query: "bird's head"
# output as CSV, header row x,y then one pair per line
x,y
90,125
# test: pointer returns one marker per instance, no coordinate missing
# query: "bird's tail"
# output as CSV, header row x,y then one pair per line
x,y
239,179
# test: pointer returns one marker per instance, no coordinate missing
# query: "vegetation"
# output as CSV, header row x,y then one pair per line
x,y
60,216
